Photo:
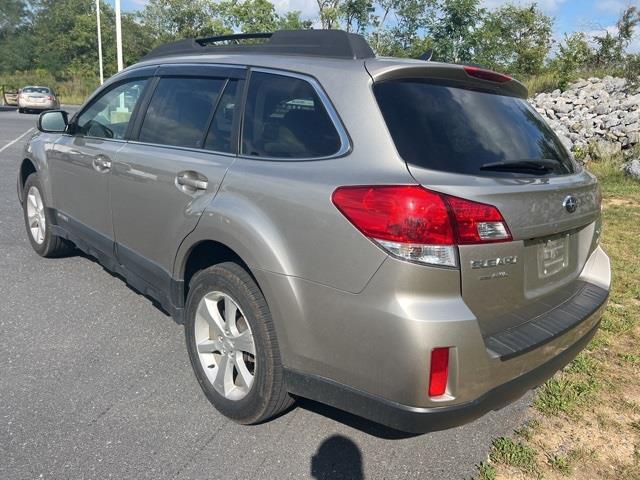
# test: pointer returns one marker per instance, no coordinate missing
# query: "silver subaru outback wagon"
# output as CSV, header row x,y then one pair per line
x,y
402,239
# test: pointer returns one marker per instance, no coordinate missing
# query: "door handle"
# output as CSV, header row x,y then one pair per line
x,y
192,180
101,164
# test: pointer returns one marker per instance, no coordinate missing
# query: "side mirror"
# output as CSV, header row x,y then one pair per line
x,y
53,121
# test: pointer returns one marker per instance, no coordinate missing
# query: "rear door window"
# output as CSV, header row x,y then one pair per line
x,y
180,110
285,118
457,130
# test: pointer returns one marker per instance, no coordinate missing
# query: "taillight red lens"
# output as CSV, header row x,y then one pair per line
x,y
477,222
485,74
412,214
439,371
404,214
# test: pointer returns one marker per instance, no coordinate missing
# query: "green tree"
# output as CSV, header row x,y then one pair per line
x,y
611,47
574,54
454,30
168,20
405,37
356,14
293,21
252,16
516,39
329,11
13,15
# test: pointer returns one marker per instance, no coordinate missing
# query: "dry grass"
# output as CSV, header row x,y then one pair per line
x,y
549,81
585,422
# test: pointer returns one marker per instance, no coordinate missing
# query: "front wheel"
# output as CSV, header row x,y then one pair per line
x,y
232,345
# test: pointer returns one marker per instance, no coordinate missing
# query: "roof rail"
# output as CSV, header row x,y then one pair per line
x,y
233,37
317,43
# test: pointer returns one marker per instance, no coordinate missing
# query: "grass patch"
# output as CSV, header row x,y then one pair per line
x,y
564,395
515,454
528,429
584,364
630,358
486,472
560,464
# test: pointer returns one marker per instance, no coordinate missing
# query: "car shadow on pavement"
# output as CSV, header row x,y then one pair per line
x,y
337,457
359,423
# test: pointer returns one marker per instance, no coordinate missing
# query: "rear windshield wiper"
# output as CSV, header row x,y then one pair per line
x,y
541,165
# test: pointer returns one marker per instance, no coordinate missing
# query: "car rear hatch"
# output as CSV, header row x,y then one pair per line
x,y
36,95
470,133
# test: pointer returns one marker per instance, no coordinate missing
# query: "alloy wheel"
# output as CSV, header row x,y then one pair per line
x,y
35,215
225,345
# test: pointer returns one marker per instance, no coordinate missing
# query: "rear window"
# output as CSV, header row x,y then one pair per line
x,y
35,90
456,130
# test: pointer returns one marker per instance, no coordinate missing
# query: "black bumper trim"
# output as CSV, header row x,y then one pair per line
x,y
544,328
421,420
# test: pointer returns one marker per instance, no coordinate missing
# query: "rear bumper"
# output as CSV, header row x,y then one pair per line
x,y
37,106
420,420
375,361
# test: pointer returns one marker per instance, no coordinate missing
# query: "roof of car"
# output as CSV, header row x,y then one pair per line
x,y
318,53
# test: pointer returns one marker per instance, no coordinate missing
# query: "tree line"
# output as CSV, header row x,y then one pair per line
x,y
58,37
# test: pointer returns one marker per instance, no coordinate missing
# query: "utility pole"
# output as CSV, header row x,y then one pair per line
x,y
118,36
99,41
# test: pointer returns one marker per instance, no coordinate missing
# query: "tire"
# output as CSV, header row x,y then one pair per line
x,y
20,110
266,395
45,243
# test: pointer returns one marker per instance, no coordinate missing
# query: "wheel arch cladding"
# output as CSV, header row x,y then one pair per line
x,y
204,254
27,167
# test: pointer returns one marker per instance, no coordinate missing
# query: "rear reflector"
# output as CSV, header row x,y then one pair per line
x,y
439,371
485,74
417,224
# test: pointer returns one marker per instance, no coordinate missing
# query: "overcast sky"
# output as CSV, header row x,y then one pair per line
x,y
570,15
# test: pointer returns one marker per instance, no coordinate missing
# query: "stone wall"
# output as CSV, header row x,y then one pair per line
x,y
597,117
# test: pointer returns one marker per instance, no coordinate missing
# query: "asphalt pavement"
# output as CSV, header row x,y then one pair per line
x,y
95,382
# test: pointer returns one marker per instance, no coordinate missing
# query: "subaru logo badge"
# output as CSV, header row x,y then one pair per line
x,y
570,204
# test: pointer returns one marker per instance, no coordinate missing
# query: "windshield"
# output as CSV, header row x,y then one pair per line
x,y
35,90
457,130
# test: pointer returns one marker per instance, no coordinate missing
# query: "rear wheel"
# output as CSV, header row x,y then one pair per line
x,y
232,345
20,110
37,221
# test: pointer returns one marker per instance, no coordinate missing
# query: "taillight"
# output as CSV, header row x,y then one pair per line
x,y
484,74
477,222
439,371
417,224
49,97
